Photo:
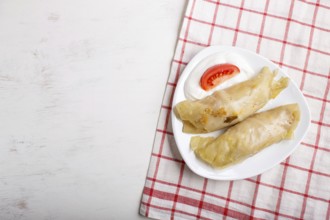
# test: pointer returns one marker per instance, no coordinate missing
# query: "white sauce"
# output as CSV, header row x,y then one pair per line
x,y
192,88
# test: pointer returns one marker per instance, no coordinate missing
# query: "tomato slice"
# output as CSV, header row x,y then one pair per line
x,y
217,74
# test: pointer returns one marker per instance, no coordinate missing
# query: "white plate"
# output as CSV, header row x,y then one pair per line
x,y
261,161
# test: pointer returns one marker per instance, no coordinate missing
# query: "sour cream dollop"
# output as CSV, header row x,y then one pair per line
x,y
192,88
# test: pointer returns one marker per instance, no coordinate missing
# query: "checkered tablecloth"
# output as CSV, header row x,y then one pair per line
x,y
294,35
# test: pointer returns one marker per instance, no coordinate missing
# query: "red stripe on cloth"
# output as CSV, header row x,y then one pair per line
x,y
300,69
164,132
184,42
309,46
193,202
167,158
168,113
173,184
316,98
167,209
201,203
262,25
306,170
313,146
238,23
317,4
180,62
287,190
171,84
176,196
286,33
281,189
255,196
321,123
309,25
193,42
318,136
279,199
230,189
213,22
271,15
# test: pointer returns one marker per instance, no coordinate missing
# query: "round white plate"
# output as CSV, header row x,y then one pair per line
x,y
261,161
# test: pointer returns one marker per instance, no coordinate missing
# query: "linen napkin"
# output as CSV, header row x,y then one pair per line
x,y
294,35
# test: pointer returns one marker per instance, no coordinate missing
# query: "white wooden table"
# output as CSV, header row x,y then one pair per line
x,y
81,83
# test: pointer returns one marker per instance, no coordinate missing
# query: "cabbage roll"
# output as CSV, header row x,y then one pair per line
x,y
247,137
231,105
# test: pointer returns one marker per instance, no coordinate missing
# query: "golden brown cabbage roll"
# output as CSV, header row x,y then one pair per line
x,y
231,105
247,137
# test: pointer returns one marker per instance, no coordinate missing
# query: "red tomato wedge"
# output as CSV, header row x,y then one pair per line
x,y
217,74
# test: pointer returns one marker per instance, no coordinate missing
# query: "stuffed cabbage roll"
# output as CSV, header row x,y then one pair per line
x,y
247,137
231,105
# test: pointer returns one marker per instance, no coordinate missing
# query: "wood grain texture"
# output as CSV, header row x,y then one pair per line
x,y
81,83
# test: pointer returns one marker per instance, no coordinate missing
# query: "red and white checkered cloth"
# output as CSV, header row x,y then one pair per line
x,y
294,35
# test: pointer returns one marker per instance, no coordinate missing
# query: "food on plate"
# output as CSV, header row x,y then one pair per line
x,y
192,85
218,74
247,137
231,105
